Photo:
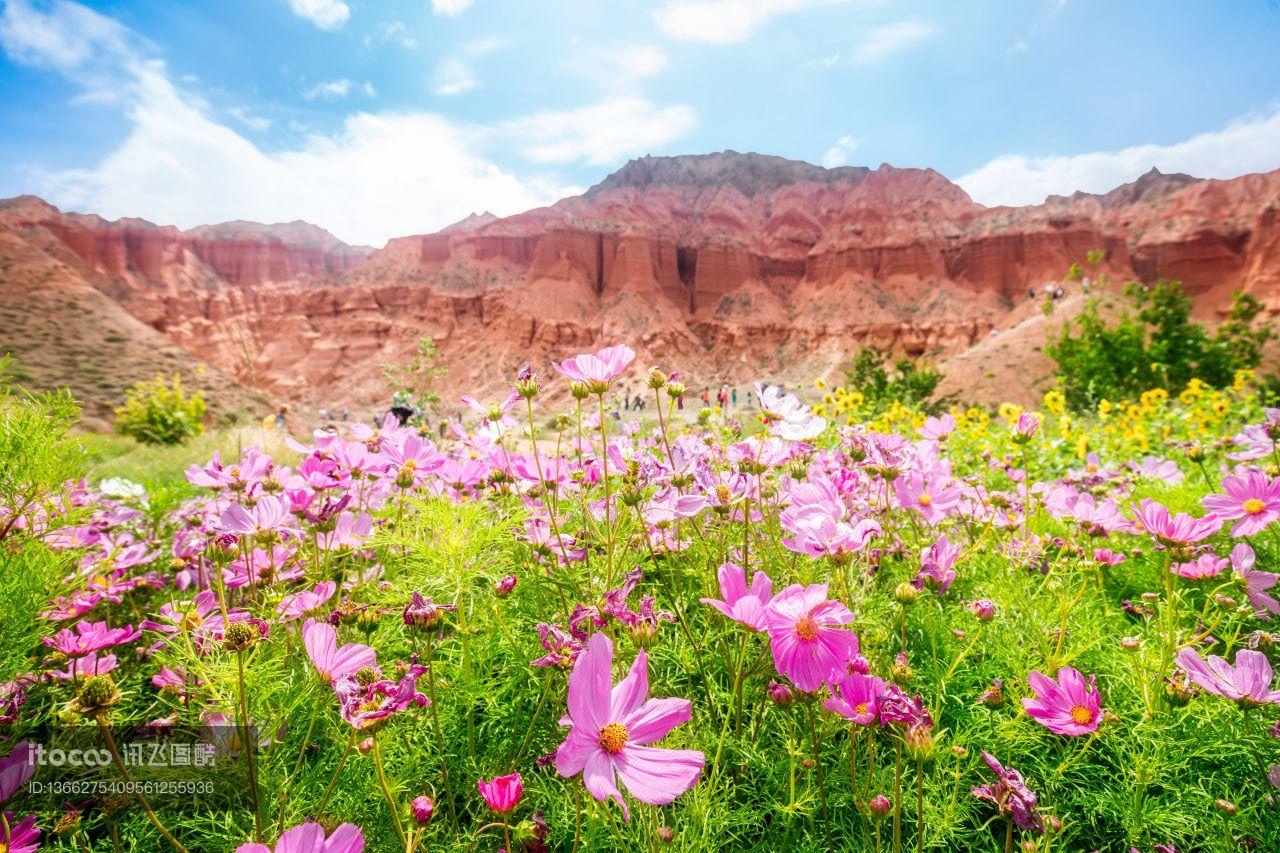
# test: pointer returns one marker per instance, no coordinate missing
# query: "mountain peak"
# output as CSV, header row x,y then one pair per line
x,y
751,174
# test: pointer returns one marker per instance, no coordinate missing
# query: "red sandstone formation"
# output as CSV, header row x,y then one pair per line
x,y
728,266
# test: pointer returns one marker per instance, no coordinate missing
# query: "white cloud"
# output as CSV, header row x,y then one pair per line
x,y
64,38
392,31
336,89
450,8
1251,144
379,175
453,77
619,67
881,42
838,154
248,119
600,134
455,74
728,21
325,14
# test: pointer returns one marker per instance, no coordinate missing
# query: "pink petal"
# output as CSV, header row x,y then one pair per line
x,y
655,718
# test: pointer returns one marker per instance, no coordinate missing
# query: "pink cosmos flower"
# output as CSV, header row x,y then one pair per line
x,y
1174,530
1107,557
503,793
937,565
295,605
936,429
612,727
1207,565
90,637
24,836
1255,583
330,660
1067,706
1026,426
597,371
788,417
856,697
932,495
818,533
1247,682
309,838
267,520
742,605
808,645
1251,498
89,665
493,411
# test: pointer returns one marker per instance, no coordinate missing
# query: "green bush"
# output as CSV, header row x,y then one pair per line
x,y
1158,345
160,411
904,381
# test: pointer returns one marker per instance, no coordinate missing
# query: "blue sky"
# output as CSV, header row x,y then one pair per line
x,y
392,117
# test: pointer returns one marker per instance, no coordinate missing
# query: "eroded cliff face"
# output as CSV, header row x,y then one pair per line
x,y
728,266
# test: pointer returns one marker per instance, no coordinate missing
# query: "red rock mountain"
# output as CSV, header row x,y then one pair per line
x,y
728,266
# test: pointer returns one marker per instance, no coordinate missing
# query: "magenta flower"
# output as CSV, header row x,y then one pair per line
x,y
330,660
612,727
503,793
1251,498
24,836
15,769
742,605
1026,426
364,707
1247,682
856,697
90,637
309,838
1107,557
1068,706
1255,583
597,371
423,808
1011,796
1175,531
808,645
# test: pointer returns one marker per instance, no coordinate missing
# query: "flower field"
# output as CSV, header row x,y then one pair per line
x,y
794,628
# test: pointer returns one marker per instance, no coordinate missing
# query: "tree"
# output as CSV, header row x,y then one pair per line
x,y
159,411
1158,345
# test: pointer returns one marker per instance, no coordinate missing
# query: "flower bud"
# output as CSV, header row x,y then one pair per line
x,y
993,696
900,672
365,746
98,692
1227,807
239,636
503,588
919,743
1131,644
657,379
423,808
905,593
781,694
579,390
666,834
983,608
880,806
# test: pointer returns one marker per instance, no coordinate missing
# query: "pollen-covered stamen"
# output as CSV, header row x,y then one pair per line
x,y
806,628
925,499
861,708
1081,715
1253,506
613,738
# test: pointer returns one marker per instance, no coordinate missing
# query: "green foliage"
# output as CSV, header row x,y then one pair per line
x,y
905,381
413,383
159,411
36,458
1159,345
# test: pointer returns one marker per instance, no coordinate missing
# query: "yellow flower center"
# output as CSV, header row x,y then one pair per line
x,y
925,499
806,628
1253,506
613,738
1082,715
861,708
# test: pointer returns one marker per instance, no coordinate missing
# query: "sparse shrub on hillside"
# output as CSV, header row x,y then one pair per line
x,y
907,381
160,411
413,383
1159,345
